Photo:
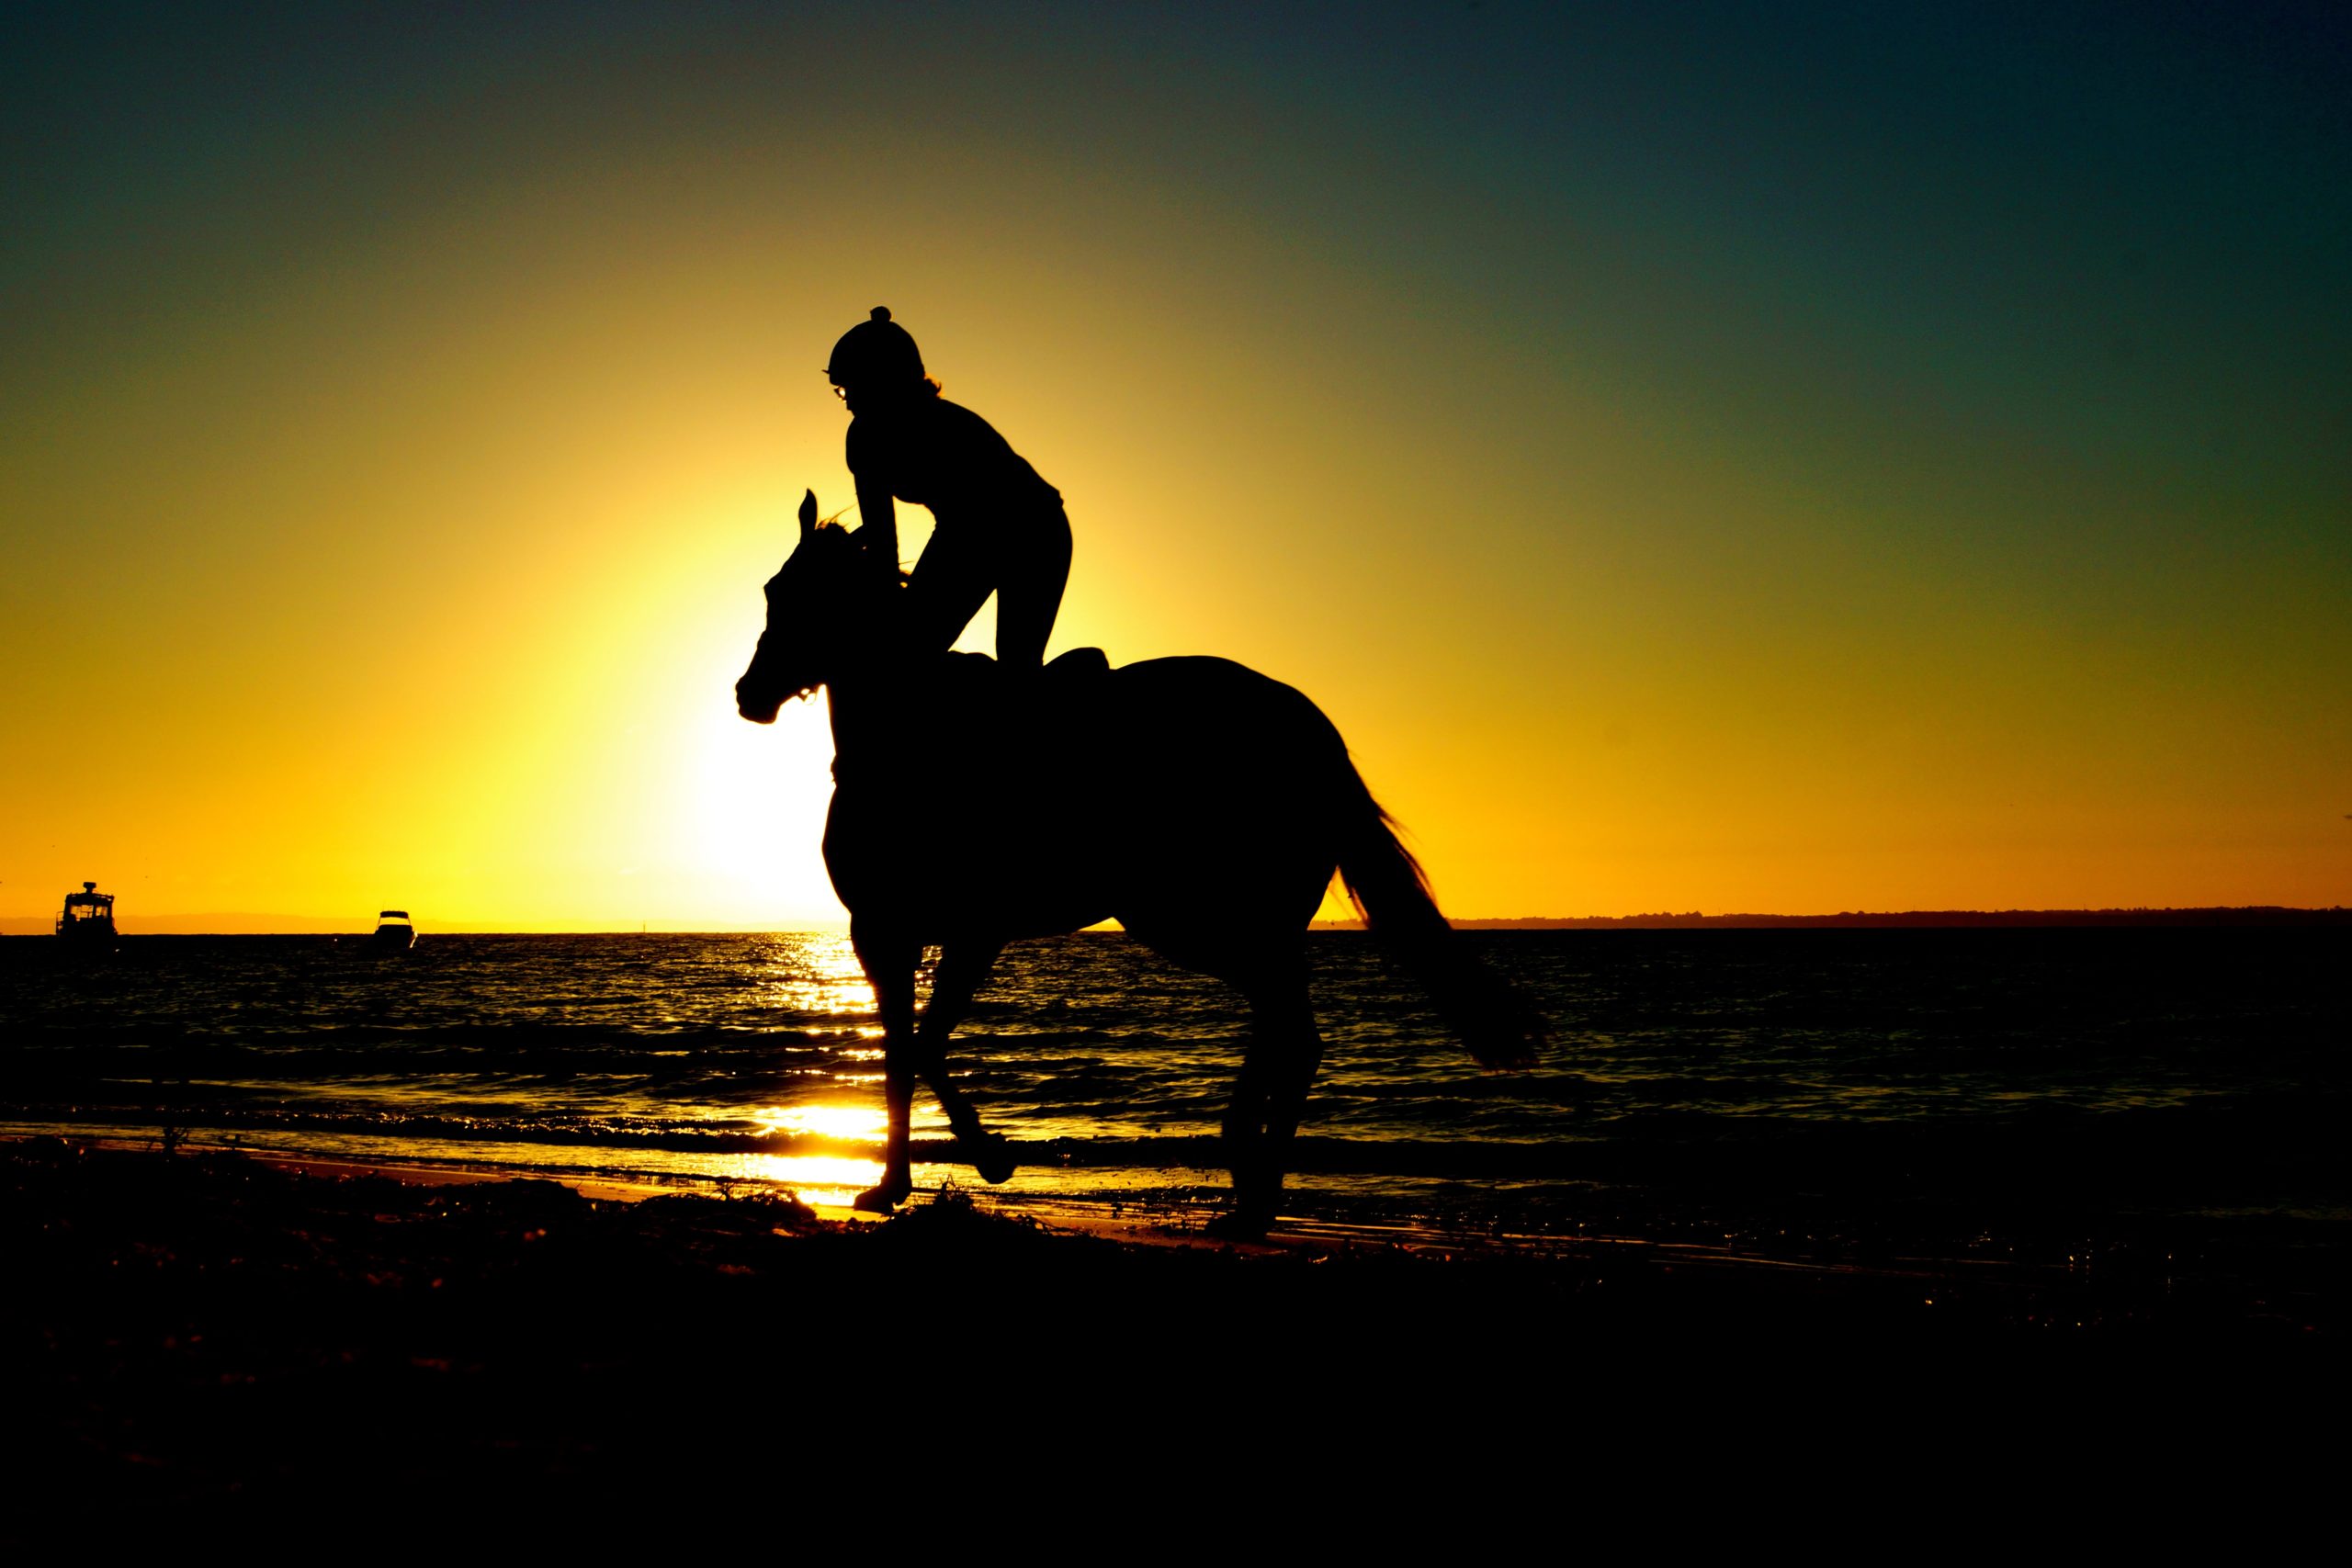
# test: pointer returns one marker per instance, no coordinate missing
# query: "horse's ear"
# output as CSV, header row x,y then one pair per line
x,y
807,516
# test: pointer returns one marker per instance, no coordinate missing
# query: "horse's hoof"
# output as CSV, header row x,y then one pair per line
x,y
877,1200
993,1159
1240,1226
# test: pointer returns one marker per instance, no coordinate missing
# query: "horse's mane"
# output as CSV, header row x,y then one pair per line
x,y
839,543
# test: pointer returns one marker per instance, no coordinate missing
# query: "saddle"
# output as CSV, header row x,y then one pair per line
x,y
1066,673
988,731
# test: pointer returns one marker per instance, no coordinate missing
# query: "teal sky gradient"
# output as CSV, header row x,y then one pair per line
x,y
1790,457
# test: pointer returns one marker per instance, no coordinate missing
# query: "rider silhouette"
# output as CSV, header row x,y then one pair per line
x,y
999,528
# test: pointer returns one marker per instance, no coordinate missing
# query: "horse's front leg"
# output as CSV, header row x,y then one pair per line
x,y
963,965
890,963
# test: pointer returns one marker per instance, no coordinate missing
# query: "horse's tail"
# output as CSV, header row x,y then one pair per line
x,y
1392,893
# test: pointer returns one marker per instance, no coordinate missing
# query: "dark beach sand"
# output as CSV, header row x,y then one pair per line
x,y
212,1340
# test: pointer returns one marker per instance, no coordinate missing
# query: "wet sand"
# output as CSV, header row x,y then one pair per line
x,y
212,1336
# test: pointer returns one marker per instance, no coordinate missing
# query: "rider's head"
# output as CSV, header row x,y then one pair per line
x,y
877,360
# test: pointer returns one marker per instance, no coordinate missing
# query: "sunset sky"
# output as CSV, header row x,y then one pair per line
x,y
1762,458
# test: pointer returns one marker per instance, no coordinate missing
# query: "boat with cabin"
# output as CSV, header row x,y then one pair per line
x,y
394,932
89,916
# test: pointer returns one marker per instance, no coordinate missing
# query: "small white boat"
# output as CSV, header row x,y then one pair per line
x,y
393,931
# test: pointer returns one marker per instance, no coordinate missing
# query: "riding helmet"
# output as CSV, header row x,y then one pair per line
x,y
877,350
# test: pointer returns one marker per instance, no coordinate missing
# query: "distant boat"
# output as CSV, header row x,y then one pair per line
x,y
393,932
88,917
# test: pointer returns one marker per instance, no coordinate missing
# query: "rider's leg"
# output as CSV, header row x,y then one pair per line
x,y
890,963
957,574
1036,572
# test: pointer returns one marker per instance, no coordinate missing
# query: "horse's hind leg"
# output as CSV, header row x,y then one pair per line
x,y
1284,1052
963,967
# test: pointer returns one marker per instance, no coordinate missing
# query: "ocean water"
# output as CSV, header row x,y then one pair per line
x,y
1713,1082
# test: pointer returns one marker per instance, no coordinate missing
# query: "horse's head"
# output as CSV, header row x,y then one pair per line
x,y
812,600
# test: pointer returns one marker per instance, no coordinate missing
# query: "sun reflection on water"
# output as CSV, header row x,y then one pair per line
x,y
832,1179
827,1179
821,974
851,1124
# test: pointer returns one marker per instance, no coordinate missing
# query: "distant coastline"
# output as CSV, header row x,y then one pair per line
x,y
2270,915
2250,915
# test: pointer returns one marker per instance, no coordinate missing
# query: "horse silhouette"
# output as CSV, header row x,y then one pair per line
x,y
1200,804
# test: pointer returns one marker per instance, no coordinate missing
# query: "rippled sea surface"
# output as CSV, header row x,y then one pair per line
x,y
2191,1070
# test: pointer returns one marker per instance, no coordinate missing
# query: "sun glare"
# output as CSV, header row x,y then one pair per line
x,y
832,1179
751,802
825,978
849,1123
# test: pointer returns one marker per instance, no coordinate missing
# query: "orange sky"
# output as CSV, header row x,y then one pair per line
x,y
1691,503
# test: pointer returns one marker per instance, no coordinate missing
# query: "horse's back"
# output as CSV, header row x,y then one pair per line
x,y
1230,788
1175,795
1251,707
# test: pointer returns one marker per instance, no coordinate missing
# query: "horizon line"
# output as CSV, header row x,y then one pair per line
x,y
239,923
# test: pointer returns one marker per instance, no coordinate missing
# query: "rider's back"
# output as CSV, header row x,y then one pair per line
x,y
942,455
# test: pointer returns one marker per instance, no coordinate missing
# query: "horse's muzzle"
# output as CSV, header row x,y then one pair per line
x,y
759,709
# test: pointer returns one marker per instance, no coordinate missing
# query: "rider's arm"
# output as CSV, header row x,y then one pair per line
x,y
878,512
878,519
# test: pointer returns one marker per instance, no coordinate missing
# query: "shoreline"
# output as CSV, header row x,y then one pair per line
x,y
2003,1289
1142,1223
2192,1202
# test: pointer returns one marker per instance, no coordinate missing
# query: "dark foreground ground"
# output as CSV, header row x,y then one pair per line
x,y
205,1347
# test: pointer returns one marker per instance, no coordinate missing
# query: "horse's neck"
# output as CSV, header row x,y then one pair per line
x,y
852,703
873,708
872,689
